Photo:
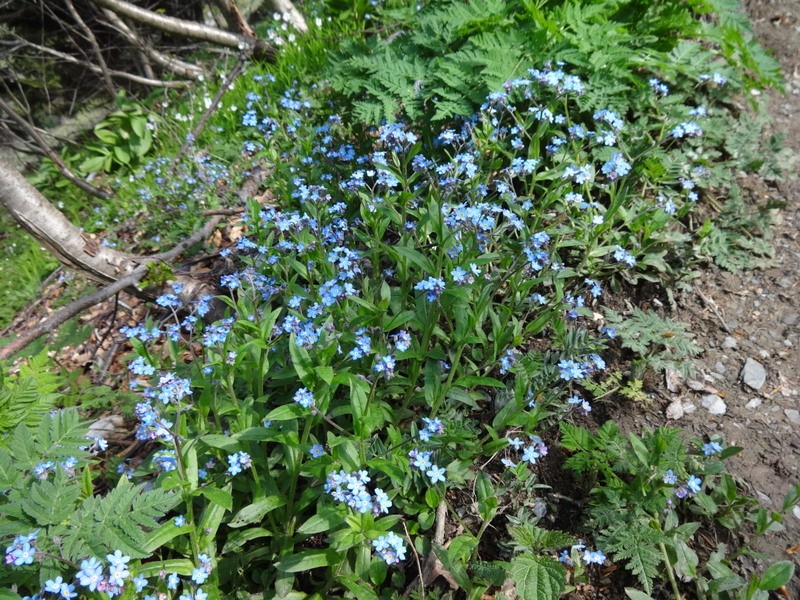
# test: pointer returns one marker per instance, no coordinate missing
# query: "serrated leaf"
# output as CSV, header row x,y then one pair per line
x,y
538,577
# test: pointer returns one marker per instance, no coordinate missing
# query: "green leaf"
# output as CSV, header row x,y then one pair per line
x,y
537,577
357,587
287,412
324,373
166,533
415,256
635,594
256,511
322,521
223,442
181,566
217,496
301,361
776,575
305,561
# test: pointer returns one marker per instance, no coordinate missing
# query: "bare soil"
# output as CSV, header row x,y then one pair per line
x,y
752,314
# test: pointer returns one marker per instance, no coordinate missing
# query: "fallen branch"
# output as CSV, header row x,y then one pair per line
x,y
188,29
74,308
95,48
95,69
52,154
175,65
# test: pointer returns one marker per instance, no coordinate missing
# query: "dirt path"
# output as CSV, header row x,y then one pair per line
x,y
754,316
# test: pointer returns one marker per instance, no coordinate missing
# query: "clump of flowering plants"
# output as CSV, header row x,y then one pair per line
x,y
405,300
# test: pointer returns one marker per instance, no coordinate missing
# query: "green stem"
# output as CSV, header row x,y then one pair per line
x,y
670,572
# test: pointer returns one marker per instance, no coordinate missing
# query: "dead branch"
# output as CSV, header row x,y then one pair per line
x,y
52,154
188,29
201,123
74,308
285,7
95,69
48,225
172,64
95,48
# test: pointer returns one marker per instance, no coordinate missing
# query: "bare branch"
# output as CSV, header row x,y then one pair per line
x,y
96,69
95,48
170,63
48,225
294,16
187,28
74,308
51,154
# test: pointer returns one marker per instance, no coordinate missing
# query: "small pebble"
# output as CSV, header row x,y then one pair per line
x,y
790,319
729,342
714,404
754,403
719,368
754,375
793,415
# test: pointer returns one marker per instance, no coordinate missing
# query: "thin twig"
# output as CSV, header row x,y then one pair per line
x,y
712,305
416,558
95,48
201,123
52,154
114,73
52,323
224,211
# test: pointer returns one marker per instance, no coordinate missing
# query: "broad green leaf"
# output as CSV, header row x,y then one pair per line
x,y
322,521
181,566
305,561
238,538
166,533
255,512
776,575
223,442
538,577
217,496
357,587
635,594
287,412
301,362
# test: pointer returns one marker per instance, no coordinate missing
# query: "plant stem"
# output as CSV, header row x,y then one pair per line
x,y
670,572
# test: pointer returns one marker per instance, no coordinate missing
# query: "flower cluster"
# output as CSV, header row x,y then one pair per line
x,y
351,489
421,460
390,548
531,451
691,487
238,462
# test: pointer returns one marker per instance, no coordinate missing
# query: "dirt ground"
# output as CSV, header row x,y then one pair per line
x,y
753,315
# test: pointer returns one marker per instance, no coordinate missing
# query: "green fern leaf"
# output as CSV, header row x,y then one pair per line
x,y
120,519
637,545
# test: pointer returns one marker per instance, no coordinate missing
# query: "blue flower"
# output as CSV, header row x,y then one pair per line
x,y
616,167
694,484
238,462
390,548
712,448
91,573
304,398
570,369
179,521
172,581
433,285
595,557
316,450
670,478
530,454
385,365
623,256
436,474
139,582
402,340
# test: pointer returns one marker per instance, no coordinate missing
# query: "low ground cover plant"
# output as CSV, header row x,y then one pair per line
x,y
404,321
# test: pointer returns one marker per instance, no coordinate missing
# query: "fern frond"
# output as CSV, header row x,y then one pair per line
x,y
637,545
118,520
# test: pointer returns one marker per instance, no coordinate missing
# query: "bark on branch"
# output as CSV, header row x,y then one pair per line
x,y
188,29
78,306
48,225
